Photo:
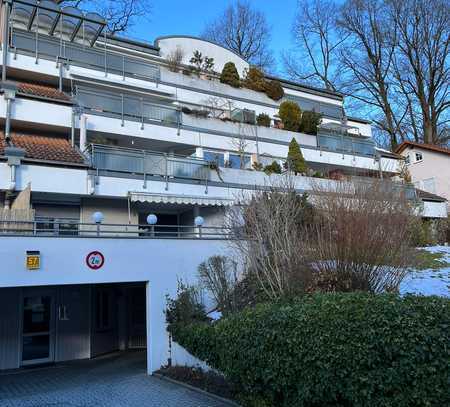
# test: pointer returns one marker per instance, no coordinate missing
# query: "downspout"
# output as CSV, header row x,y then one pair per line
x,y
6,6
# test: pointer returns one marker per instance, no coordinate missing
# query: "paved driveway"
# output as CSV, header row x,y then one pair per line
x,y
112,381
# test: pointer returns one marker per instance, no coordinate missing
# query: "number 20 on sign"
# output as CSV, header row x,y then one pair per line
x,y
95,260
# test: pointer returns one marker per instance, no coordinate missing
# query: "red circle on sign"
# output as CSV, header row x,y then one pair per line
x,y
95,260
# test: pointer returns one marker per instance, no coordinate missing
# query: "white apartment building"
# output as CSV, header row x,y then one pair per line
x,y
103,128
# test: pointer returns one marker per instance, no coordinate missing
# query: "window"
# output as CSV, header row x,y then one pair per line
x,y
429,185
238,161
57,226
214,157
407,160
419,157
102,309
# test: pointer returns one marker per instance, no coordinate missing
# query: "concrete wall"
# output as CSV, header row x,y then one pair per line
x,y
190,44
159,262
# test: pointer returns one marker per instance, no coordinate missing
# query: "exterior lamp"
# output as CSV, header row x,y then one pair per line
x,y
98,217
199,223
152,220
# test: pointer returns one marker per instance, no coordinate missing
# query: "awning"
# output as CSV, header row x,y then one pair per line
x,y
180,199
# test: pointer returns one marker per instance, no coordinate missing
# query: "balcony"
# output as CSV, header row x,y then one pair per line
x,y
106,61
339,138
63,229
145,164
127,106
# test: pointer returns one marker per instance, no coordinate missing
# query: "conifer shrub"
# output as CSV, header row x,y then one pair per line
x,y
290,115
309,122
230,75
274,90
273,168
263,119
254,80
295,161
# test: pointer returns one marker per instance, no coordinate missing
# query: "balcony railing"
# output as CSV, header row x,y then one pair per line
x,y
105,230
104,60
126,106
148,163
346,144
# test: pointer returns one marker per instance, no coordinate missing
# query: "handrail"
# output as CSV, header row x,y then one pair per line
x,y
44,46
135,231
148,163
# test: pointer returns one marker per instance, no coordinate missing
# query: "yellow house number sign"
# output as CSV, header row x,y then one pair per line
x,y
33,260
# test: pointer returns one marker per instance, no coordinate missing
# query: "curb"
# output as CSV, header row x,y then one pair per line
x,y
196,389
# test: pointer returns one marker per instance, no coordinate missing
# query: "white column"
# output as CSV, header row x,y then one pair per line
x,y
150,340
83,136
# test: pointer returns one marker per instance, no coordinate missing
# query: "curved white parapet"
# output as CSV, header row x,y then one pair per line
x,y
189,45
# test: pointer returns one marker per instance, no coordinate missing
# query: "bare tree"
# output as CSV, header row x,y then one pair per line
x,y
219,275
369,56
315,59
422,65
120,15
244,30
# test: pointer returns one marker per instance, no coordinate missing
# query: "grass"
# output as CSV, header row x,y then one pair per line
x,y
428,260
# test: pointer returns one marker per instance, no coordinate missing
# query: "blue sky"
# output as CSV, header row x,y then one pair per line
x,y
188,17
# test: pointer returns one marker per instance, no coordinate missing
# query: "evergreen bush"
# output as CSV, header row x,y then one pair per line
x,y
274,90
254,80
309,122
230,75
273,168
351,349
263,119
295,161
290,115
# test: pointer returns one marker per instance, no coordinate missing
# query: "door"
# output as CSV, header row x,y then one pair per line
x,y
72,323
137,317
38,320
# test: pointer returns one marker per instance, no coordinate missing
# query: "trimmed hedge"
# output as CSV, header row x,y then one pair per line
x,y
332,350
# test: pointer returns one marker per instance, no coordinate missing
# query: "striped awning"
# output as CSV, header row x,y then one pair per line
x,y
180,199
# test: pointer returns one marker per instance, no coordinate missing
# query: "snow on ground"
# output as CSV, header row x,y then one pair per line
x,y
429,281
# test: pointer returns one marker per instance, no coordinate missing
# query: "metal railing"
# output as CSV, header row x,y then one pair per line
x,y
104,60
148,163
126,106
109,230
346,144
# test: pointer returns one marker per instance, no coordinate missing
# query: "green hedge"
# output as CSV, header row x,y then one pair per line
x,y
332,350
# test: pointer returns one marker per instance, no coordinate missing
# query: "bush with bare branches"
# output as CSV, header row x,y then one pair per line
x,y
363,241
347,236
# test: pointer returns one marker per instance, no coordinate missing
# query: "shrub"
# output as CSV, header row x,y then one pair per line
x,y
175,59
230,75
332,350
422,234
187,308
309,122
263,119
274,90
273,168
254,80
290,115
295,161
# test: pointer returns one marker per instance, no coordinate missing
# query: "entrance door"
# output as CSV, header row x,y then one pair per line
x,y
137,317
37,326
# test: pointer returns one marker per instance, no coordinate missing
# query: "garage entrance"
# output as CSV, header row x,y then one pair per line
x,y
59,323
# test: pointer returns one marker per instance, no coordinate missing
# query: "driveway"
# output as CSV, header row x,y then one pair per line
x,y
113,381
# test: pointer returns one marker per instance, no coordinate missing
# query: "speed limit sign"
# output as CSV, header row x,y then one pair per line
x,y
95,260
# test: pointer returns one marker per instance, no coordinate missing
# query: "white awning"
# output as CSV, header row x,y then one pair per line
x,y
180,199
